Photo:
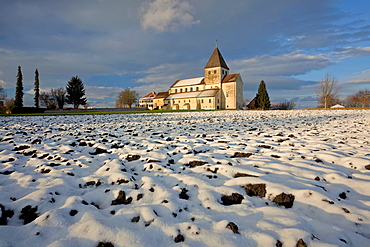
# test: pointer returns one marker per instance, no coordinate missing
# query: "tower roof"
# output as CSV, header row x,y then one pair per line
x,y
216,60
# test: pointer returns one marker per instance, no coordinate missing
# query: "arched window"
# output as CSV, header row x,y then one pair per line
x,y
175,90
186,89
191,89
197,88
180,90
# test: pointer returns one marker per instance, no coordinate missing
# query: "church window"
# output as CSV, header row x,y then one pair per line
x,y
186,89
197,88
180,90
218,101
209,72
214,72
191,89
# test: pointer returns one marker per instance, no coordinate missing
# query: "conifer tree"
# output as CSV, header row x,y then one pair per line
x,y
18,101
37,89
262,97
75,92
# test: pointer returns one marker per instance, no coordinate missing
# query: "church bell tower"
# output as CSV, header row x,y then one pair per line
x,y
216,69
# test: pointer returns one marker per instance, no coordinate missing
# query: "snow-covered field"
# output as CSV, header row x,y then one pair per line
x,y
227,178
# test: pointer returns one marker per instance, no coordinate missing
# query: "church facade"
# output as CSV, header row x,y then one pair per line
x,y
217,89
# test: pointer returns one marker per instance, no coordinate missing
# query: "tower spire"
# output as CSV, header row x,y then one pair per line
x,y
216,43
216,60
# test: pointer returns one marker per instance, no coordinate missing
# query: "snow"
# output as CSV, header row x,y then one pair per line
x,y
208,93
189,82
72,167
337,106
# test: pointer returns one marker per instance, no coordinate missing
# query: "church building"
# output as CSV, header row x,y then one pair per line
x,y
217,89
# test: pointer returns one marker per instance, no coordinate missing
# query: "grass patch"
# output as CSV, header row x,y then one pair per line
x,y
99,112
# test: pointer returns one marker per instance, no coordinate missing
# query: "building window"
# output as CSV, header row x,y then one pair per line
x,y
210,100
180,90
191,89
197,88
214,72
202,101
175,90
186,89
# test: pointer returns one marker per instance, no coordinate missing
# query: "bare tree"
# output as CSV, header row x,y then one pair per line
x,y
359,99
328,90
127,97
9,105
364,97
352,101
286,105
59,95
47,100
2,94
3,97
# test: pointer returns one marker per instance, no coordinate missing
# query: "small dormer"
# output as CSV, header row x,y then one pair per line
x,y
216,68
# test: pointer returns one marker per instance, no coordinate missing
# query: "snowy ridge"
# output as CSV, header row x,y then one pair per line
x,y
235,178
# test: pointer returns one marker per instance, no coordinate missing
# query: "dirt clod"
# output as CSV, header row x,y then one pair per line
x,y
234,198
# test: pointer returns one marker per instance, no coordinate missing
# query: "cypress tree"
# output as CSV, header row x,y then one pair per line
x,y
262,97
18,101
75,92
37,89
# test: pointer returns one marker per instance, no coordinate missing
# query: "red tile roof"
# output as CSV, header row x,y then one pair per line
x,y
150,95
230,78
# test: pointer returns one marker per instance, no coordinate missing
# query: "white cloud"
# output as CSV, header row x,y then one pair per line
x,y
281,65
362,78
4,84
349,52
99,92
167,15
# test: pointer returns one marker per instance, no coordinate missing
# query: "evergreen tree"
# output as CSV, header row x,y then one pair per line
x,y
262,97
75,92
37,89
18,101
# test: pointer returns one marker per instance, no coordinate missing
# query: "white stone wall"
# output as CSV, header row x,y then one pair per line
x,y
239,93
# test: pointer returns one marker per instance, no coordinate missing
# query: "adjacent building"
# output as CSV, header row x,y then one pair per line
x,y
147,101
217,89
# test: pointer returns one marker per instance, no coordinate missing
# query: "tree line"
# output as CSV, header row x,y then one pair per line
x,y
73,93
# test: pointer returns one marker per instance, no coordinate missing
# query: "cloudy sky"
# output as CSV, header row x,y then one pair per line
x,y
149,44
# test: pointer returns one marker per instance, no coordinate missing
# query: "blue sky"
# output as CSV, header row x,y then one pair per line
x,y
148,45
